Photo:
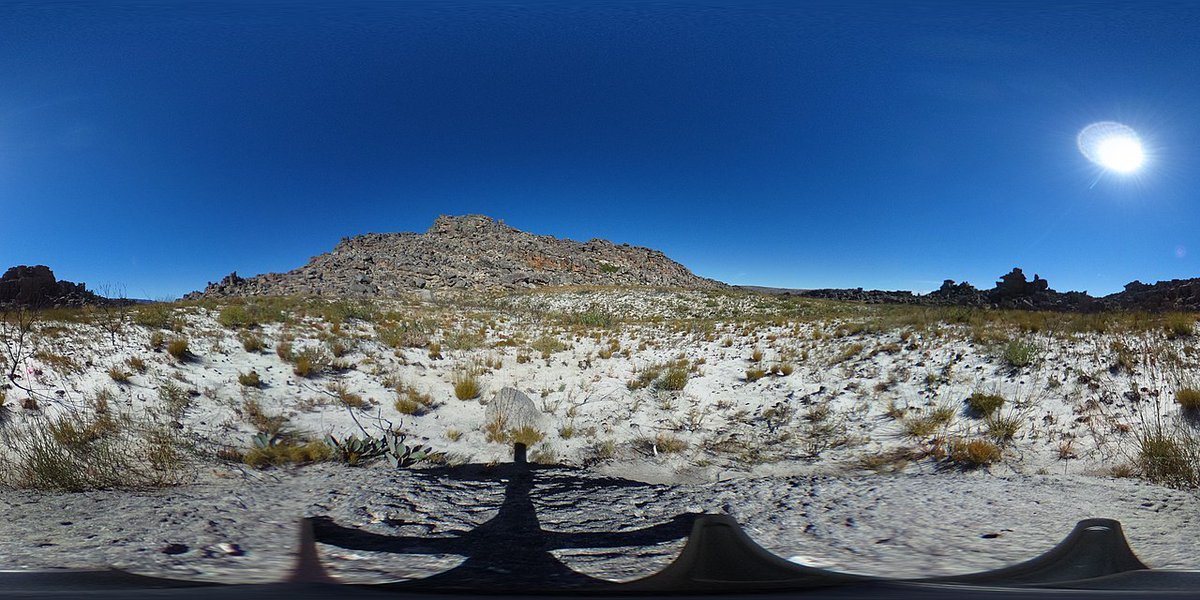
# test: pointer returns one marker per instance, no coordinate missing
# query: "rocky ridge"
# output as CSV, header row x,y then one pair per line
x,y
36,287
1015,291
471,252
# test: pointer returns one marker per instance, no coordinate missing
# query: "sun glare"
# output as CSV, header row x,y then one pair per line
x,y
1113,146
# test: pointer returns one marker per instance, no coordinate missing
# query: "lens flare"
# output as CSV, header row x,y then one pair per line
x,y
1113,146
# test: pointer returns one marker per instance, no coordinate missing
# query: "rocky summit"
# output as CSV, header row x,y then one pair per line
x,y
471,252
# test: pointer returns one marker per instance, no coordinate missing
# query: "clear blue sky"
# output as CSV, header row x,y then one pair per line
x,y
847,144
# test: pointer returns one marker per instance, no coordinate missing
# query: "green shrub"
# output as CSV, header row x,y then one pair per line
x,y
310,362
674,379
547,345
1019,354
985,404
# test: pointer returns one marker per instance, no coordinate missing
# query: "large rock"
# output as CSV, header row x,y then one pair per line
x,y
514,409
465,252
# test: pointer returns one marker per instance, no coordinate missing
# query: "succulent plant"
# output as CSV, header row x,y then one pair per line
x,y
353,449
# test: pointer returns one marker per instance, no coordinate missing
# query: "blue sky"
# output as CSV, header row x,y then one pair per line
x,y
883,145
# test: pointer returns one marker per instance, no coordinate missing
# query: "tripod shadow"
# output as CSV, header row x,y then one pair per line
x,y
510,550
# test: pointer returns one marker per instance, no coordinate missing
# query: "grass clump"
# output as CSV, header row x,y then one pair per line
x,y
547,345
118,374
287,452
985,404
674,379
348,398
252,342
1002,428
1188,399
178,349
412,402
466,385
973,453
927,423
250,379
1169,456
1179,325
754,374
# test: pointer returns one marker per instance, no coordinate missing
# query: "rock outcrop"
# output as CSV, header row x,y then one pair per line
x,y
36,287
471,252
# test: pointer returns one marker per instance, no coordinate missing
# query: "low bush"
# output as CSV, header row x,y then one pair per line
x,y
985,404
973,453
1019,354
250,379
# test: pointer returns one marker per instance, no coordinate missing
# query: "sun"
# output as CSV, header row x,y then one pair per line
x,y
1113,146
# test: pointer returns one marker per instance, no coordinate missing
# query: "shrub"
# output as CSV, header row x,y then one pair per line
x,y
175,399
157,316
285,351
463,340
74,454
1188,399
973,453
249,379
466,385
137,364
310,362
252,343
435,351
1019,354
178,349
1169,457
985,404
755,374
547,345
157,341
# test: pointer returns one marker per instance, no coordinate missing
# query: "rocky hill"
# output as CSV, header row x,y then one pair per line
x,y
463,252
36,287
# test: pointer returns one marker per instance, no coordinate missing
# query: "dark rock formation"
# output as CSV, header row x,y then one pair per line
x,y
36,287
468,252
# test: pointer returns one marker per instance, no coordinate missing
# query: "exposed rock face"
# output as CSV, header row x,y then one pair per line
x,y
514,409
1176,294
36,287
468,252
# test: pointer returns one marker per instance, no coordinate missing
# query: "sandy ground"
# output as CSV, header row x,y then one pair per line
x,y
789,455
890,525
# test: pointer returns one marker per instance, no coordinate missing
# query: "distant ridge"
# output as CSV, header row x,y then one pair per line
x,y
1014,291
470,252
